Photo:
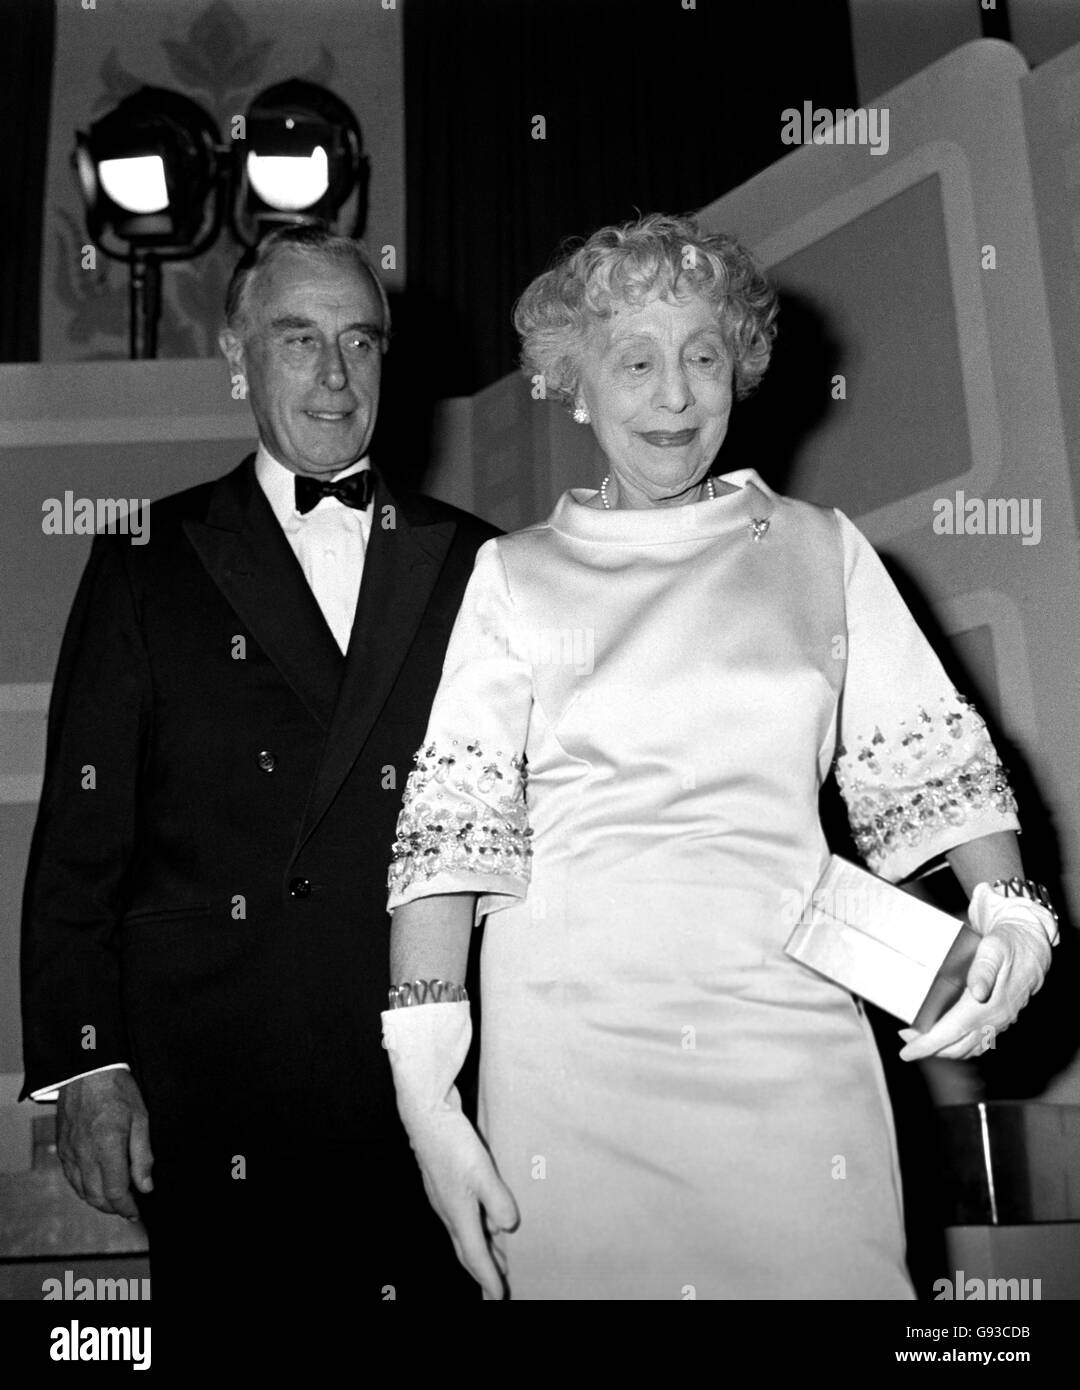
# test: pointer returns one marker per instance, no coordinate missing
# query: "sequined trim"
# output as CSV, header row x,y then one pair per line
x,y
464,810
932,771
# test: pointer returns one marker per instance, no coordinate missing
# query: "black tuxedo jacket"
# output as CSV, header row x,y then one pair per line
x,y
206,897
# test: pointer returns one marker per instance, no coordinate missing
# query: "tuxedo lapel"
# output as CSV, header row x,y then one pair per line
x,y
401,567
248,557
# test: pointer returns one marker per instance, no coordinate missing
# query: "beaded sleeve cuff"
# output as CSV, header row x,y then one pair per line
x,y
464,811
925,774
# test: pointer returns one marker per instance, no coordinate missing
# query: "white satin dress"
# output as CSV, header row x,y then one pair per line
x,y
623,760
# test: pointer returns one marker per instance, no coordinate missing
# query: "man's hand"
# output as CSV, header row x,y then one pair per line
x,y
103,1137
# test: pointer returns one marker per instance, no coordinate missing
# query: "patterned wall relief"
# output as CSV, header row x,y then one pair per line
x,y
221,55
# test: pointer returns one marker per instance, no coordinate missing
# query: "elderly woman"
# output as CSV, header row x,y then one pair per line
x,y
640,702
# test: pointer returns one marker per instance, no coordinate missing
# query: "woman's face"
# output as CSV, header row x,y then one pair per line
x,y
657,382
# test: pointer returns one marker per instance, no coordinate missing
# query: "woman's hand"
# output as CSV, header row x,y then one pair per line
x,y
460,1179
427,1044
1009,967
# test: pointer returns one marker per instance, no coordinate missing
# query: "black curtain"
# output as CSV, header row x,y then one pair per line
x,y
26,65
648,106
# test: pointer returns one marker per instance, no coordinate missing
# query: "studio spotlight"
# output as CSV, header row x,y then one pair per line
x,y
301,161
156,180
149,175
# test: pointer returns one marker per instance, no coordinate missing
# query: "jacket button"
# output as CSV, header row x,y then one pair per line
x,y
300,888
267,761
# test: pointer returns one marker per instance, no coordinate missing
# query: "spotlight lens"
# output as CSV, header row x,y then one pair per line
x,y
289,182
87,171
136,184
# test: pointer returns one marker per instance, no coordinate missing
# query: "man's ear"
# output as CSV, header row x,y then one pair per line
x,y
232,346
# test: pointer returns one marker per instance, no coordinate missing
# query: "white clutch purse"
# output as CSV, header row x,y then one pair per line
x,y
882,944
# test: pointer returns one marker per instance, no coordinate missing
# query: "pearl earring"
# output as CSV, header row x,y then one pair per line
x,y
581,415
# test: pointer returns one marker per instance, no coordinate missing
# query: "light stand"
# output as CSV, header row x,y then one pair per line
x,y
144,295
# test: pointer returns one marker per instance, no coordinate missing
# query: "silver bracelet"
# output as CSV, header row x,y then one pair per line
x,y
1025,888
426,992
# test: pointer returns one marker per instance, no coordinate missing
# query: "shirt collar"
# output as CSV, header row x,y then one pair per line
x,y
277,482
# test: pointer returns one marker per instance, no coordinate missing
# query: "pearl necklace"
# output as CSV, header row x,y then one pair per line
x,y
607,504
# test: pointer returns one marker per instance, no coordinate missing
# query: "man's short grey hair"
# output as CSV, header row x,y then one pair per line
x,y
626,264
305,240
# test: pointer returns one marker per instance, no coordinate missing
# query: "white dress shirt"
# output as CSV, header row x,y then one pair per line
x,y
330,543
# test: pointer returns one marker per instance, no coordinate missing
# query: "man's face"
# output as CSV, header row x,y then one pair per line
x,y
311,353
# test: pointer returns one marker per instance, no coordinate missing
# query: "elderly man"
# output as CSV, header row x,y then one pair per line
x,y
205,929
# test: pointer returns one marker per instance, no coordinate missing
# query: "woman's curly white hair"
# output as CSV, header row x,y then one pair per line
x,y
627,264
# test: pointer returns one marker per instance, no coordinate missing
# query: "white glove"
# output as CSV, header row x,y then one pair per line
x,y
1009,967
427,1045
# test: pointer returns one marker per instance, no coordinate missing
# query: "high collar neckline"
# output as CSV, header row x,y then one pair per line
x,y
754,500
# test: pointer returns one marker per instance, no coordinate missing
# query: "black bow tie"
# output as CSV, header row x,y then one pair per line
x,y
354,491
